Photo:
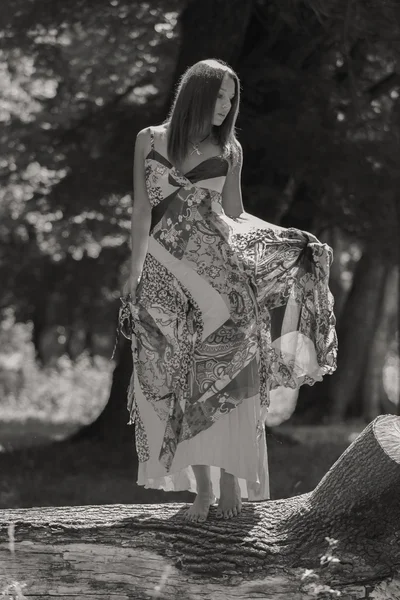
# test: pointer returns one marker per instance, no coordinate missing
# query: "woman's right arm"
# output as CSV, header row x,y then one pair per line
x,y
141,210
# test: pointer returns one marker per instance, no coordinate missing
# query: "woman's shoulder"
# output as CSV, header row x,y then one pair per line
x,y
145,137
160,128
151,132
153,129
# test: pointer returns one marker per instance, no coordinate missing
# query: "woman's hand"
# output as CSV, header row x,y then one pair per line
x,y
130,286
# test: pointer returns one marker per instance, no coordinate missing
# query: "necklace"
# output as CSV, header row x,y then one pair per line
x,y
196,146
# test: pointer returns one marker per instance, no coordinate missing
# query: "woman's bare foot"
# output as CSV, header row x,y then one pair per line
x,y
230,502
205,496
198,512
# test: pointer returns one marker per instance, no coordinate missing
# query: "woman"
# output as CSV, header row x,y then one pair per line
x,y
224,309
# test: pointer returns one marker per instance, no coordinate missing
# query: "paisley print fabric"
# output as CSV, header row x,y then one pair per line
x,y
226,309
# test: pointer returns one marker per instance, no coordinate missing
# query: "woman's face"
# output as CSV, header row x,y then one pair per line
x,y
224,100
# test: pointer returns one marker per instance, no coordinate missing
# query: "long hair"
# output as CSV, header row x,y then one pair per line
x,y
192,110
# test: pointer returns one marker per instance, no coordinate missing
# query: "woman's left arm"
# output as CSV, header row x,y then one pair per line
x,y
232,192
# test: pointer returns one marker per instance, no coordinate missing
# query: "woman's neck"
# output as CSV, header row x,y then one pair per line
x,y
200,139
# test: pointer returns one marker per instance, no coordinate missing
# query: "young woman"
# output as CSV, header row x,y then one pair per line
x,y
223,309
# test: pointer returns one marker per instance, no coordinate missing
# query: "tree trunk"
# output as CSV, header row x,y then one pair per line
x,y
396,201
42,317
149,551
336,239
111,425
38,319
211,29
355,332
373,389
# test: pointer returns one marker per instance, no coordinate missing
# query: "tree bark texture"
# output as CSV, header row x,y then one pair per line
x,y
355,332
150,551
396,201
335,238
373,389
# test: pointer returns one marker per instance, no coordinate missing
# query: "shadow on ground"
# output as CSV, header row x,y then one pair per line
x,y
38,470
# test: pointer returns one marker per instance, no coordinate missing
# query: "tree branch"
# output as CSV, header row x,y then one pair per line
x,y
383,86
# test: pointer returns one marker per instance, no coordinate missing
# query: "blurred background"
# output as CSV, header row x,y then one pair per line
x,y
320,128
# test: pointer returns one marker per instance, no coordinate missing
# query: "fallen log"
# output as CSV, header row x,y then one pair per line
x,y
275,549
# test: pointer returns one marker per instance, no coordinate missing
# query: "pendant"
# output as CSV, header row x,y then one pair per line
x,y
195,149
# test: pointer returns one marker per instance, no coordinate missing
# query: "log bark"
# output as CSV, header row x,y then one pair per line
x,y
149,551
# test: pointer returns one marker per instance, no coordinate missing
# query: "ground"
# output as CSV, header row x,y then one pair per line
x,y
36,474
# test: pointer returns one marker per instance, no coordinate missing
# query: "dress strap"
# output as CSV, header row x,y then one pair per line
x,y
152,139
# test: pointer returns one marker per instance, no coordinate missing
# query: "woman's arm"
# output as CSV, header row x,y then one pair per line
x,y
141,210
232,193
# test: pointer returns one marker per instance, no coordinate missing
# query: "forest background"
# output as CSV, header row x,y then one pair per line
x,y
320,127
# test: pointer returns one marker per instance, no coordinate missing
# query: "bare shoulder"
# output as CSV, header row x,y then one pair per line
x,y
143,136
160,128
160,131
143,141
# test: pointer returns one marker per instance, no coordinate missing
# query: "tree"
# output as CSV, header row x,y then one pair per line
x,y
269,549
356,331
211,29
75,80
319,125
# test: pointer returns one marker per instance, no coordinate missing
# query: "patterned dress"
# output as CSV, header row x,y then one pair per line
x,y
228,312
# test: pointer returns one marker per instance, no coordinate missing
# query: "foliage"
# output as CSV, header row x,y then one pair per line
x,y
320,88
67,392
77,80
311,585
319,124
310,578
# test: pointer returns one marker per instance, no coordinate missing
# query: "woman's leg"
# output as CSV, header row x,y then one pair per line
x,y
205,496
230,502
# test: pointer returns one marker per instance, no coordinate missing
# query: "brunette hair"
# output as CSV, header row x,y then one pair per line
x,y
192,110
